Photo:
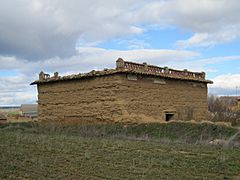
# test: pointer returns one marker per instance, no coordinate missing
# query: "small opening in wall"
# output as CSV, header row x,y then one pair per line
x,y
169,116
132,77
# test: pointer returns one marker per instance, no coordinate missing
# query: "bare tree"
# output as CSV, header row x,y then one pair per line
x,y
223,109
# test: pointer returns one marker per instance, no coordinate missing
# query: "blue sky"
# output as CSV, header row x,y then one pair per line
x,y
78,35
154,37
158,38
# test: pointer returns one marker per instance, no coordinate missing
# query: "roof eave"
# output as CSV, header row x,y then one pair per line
x,y
121,71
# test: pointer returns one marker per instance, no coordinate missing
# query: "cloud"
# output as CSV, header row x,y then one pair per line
x,y
88,58
207,39
227,84
227,81
62,36
211,22
18,98
134,44
197,40
36,30
16,89
199,64
9,62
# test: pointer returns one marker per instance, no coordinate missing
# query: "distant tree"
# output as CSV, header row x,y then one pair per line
x,y
221,110
215,104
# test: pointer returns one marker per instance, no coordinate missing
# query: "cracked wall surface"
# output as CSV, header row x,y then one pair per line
x,y
118,98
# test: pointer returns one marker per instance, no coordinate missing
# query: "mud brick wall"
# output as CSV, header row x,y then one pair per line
x,y
149,101
121,98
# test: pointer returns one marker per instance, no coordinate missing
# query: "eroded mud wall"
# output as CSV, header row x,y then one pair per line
x,y
152,98
121,98
86,100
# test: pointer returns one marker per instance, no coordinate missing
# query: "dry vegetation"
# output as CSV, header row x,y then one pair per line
x,y
175,150
118,151
14,115
221,110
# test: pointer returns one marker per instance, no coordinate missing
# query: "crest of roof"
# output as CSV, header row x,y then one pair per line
x,y
128,68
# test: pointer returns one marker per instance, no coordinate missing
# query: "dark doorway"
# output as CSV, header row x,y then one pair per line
x,y
169,116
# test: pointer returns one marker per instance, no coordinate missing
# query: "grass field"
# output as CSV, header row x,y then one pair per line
x,y
14,115
154,151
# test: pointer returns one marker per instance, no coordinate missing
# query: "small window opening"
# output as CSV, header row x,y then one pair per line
x,y
132,77
168,116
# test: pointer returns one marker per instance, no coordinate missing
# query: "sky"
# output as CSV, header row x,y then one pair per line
x,y
73,36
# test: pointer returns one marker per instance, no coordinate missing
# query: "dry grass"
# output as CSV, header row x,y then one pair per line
x,y
14,119
29,151
13,115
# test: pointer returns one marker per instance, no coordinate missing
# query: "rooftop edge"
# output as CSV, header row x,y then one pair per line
x,y
129,67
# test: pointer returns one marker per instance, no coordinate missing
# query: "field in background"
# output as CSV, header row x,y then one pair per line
x,y
118,151
14,115
10,111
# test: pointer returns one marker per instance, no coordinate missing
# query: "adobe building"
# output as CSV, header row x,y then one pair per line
x,y
132,92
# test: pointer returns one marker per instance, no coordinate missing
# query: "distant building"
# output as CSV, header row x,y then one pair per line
x,y
29,110
132,92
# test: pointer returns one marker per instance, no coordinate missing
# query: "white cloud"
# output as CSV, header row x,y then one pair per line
x,y
198,39
221,59
18,98
208,39
16,89
9,62
227,84
40,35
227,81
137,44
211,21
35,29
91,57
136,30
202,64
